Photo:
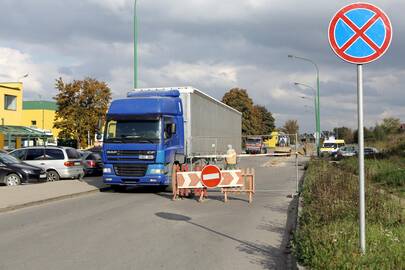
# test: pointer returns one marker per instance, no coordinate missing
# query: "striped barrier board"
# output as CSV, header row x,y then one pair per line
x,y
230,178
189,180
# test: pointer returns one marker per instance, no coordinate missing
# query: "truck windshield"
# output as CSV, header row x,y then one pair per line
x,y
137,131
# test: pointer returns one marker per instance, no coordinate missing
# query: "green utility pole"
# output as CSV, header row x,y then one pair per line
x,y
318,113
317,107
135,47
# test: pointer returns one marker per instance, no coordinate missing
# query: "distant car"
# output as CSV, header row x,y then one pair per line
x,y
58,162
254,145
13,171
370,151
92,163
96,149
346,151
331,146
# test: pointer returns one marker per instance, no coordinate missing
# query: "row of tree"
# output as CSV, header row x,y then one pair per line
x,y
379,132
83,103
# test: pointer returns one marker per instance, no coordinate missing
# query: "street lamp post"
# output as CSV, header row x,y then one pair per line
x,y
135,46
317,104
22,77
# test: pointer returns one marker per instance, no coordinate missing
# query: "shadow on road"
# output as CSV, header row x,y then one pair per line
x,y
267,256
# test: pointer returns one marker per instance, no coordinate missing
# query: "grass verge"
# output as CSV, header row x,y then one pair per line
x,y
328,234
387,173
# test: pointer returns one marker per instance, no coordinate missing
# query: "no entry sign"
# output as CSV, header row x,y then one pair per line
x,y
210,176
360,33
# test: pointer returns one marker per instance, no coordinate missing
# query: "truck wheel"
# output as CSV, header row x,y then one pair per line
x,y
168,188
117,188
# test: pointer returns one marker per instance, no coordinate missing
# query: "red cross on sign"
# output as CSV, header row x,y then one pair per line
x,y
360,33
211,176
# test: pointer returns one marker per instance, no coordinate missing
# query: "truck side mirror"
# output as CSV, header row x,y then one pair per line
x,y
99,125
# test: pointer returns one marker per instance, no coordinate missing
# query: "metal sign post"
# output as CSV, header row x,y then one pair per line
x,y
360,33
362,203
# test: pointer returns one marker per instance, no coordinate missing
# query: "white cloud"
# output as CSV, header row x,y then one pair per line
x,y
201,73
14,64
41,75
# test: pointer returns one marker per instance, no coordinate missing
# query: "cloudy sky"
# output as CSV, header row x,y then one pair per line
x,y
209,44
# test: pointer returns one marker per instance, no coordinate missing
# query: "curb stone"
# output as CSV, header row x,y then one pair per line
x,y
54,199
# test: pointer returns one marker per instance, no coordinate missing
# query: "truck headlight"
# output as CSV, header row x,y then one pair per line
x,y
106,170
157,171
146,157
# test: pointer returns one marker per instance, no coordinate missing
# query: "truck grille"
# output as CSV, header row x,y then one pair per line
x,y
128,155
134,170
129,152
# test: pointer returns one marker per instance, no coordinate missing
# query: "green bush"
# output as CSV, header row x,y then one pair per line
x,y
328,234
394,177
388,172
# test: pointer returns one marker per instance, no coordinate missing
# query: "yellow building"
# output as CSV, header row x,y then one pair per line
x,y
12,131
40,115
11,94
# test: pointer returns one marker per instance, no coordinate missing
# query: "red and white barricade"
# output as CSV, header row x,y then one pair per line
x,y
232,181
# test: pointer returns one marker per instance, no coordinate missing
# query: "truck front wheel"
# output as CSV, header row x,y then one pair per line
x,y
118,188
168,188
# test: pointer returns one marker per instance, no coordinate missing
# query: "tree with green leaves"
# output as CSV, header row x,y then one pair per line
x,y
291,127
256,119
81,105
266,120
239,99
391,125
344,133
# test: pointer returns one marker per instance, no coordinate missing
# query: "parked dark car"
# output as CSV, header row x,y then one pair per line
x,y
14,172
92,163
370,151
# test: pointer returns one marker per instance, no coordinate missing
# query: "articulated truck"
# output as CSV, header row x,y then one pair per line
x,y
151,129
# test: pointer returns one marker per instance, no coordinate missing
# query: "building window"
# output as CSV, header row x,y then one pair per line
x,y
10,102
33,123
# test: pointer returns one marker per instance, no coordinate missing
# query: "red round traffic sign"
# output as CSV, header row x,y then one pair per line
x,y
210,176
360,33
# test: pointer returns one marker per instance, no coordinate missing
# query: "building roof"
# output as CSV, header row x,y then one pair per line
x,y
40,105
11,85
22,131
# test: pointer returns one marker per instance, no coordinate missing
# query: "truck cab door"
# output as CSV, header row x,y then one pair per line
x,y
170,139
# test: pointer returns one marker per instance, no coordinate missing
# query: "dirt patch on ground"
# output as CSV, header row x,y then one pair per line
x,y
277,162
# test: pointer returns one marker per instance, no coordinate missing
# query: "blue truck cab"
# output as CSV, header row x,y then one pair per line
x,y
144,134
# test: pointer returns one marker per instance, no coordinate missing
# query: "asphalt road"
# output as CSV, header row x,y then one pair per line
x,y
140,229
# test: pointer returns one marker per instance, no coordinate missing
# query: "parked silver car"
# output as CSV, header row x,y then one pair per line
x,y
58,162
